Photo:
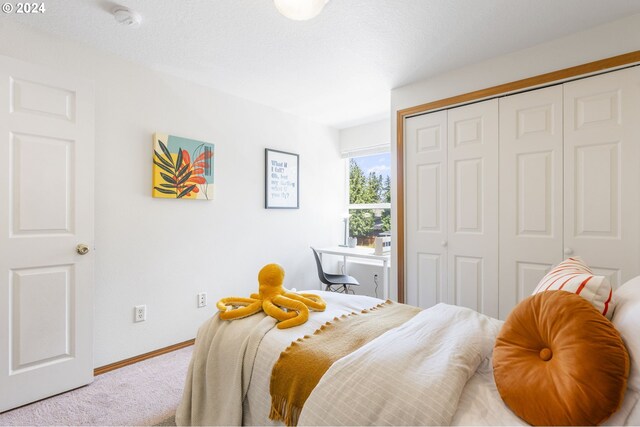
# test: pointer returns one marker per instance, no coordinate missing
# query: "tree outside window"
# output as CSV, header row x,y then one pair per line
x,y
369,197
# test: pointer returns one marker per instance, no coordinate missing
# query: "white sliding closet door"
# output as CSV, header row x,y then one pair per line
x,y
426,209
530,191
473,206
601,176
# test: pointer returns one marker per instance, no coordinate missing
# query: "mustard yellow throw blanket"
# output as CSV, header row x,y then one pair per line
x,y
304,362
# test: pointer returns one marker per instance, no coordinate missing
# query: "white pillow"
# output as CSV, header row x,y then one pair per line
x,y
573,275
626,319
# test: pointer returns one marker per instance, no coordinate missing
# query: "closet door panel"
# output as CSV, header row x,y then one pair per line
x,y
473,206
530,191
426,204
602,135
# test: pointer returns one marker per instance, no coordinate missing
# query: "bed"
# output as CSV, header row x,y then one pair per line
x,y
229,377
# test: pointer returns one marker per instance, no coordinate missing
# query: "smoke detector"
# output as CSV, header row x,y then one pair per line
x,y
127,17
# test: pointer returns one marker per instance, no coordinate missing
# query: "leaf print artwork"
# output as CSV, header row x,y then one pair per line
x,y
175,175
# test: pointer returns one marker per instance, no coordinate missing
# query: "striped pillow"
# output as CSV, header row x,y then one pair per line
x,y
573,275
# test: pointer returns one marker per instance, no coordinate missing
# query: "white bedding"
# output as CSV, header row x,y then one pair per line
x,y
231,386
481,405
411,375
232,362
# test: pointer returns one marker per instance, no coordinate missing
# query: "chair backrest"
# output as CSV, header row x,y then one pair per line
x,y
321,275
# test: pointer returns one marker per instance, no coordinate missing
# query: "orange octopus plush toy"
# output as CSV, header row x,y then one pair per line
x,y
272,298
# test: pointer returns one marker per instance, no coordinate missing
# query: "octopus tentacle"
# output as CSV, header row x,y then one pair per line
x,y
248,306
276,312
224,303
314,302
299,307
317,298
313,297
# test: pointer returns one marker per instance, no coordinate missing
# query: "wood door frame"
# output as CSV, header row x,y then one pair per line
x,y
535,82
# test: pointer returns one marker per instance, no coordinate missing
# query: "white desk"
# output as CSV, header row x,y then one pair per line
x,y
365,253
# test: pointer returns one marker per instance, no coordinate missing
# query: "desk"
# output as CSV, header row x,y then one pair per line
x,y
365,253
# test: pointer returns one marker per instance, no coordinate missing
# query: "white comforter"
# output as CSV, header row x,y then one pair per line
x,y
411,369
411,375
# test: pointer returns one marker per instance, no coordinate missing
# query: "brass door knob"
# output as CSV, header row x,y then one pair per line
x,y
82,249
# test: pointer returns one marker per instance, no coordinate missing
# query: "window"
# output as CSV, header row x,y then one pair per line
x,y
369,197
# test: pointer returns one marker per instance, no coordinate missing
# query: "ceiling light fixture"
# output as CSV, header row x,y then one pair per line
x,y
300,10
127,17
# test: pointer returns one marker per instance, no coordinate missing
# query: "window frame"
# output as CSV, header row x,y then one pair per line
x,y
347,156
361,206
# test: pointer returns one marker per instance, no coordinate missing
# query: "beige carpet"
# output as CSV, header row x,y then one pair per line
x,y
146,393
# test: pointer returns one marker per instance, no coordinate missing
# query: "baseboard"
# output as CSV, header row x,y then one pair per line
x,y
140,358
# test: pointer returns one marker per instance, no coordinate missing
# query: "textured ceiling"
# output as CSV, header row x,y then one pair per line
x,y
336,69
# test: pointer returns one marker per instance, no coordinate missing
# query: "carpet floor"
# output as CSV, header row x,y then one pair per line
x,y
145,394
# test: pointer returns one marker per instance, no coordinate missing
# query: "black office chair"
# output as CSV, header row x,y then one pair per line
x,y
342,281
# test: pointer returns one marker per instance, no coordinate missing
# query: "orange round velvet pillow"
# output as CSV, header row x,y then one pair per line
x,y
557,361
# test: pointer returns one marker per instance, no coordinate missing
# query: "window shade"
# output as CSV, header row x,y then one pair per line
x,y
366,151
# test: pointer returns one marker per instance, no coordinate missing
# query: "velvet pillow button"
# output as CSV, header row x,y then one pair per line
x,y
545,354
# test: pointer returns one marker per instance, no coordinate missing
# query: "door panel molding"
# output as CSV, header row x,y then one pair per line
x,y
47,193
539,81
531,165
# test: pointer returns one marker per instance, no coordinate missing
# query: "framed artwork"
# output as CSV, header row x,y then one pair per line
x,y
182,168
281,180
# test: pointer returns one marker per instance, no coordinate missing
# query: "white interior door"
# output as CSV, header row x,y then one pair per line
x,y
530,191
601,177
46,197
473,206
426,209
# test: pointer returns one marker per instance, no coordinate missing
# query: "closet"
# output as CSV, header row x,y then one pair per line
x,y
452,207
499,191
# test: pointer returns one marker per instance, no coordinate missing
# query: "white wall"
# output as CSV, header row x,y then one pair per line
x,y
365,273
600,42
162,252
357,138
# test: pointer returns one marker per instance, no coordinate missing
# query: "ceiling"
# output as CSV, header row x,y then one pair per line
x,y
337,69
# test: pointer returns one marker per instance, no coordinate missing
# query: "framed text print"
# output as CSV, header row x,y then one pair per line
x,y
281,180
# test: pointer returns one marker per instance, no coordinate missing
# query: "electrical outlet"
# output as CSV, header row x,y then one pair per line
x,y
140,313
202,299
